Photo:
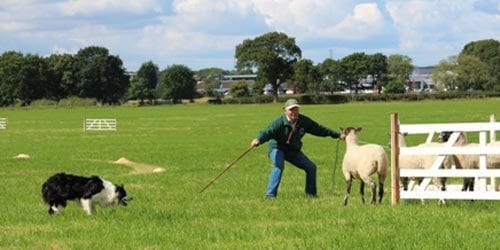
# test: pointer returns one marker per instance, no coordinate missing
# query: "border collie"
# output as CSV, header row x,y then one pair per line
x,y
87,191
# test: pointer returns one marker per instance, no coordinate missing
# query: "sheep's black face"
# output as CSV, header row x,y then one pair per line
x,y
444,136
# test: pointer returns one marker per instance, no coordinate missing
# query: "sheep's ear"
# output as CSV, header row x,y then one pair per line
x,y
358,129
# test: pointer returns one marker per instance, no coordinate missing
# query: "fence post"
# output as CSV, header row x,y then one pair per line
x,y
394,159
493,136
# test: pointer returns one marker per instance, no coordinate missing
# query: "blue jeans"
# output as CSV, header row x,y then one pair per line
x,y
298,159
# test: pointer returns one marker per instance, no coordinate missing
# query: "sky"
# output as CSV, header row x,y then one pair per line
x,y
204,33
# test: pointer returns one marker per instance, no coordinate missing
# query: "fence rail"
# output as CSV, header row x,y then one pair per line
x,y
482,190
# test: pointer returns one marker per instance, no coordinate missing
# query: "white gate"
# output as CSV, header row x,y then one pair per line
x,y
3,123
483,189
99,124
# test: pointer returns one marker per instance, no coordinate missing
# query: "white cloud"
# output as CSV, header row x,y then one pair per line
x,y
366,21
86,7
22,14
198,27
171,42
204,7
303,17
439,29
14,26
201,33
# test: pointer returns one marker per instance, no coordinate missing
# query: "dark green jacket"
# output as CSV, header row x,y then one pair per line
x,y
278,132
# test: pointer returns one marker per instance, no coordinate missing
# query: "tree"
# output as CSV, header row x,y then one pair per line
x,y
210,87
488,51
378,69
395,86
177,83
240,89
210,73
63,70
307,76
143,84
101,75
472,73
355,67
33,79
273,54
22,78
463,73
445,74
331,75
399,67
10,65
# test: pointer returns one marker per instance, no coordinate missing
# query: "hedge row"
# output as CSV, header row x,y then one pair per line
x,y
343,98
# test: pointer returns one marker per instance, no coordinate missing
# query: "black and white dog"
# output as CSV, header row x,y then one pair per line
x,y
87,191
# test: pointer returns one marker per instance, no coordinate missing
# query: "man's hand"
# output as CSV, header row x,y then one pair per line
x,y
255,143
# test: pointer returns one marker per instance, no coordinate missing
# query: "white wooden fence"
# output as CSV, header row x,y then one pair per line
x,y
99,125
482,190
3,123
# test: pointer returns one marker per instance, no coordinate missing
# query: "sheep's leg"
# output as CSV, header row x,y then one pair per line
x,y
468,184
465,184
404,181
347,190
374,192
362,191
380,191
443,183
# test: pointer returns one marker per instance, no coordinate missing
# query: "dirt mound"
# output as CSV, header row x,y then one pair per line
x,y
123,160
22,156
158,170
139,168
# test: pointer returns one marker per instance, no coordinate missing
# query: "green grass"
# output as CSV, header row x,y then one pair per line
x,y
194,143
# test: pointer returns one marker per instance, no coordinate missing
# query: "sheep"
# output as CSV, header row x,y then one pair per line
x,y
362,161
422,162
494,160
472,161
464,161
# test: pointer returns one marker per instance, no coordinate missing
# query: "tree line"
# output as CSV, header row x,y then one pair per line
x,y
277,60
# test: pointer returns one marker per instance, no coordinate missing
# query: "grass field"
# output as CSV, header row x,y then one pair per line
x,y
193,143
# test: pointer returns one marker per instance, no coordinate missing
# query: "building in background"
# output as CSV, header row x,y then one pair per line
x,y
421,79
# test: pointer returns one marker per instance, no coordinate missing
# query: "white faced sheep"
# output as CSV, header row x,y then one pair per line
x,y
361,162
472,161
494,160
464,161
422,162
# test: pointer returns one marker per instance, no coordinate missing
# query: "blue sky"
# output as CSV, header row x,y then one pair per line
x,y
205,33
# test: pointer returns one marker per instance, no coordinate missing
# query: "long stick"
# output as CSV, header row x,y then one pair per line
x,y
227,168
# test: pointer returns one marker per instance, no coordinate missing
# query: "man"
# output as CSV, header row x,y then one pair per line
x,y
284,135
